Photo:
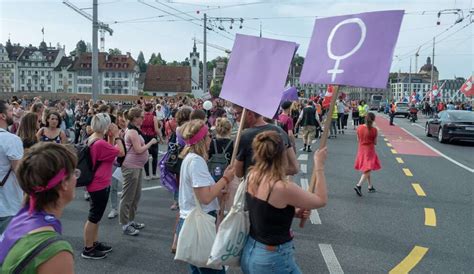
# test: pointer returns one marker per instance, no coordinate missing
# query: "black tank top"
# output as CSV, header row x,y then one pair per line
x,y
269,225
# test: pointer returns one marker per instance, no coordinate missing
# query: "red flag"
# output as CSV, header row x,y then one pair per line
x,y
413,97
328,96
468,87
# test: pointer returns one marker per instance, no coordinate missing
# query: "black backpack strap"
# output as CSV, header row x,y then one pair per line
x,y
215,146
97,163
227,147
23,264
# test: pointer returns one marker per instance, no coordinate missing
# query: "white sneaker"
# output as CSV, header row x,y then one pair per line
x,y
147,178
155,176
113,213
87,197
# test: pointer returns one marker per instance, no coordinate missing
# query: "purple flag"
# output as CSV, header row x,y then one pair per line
x,y
256,73
353,50
290,94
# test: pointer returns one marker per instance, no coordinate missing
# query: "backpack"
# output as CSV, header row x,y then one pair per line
x,y
120,160
219,161
173,162
84,163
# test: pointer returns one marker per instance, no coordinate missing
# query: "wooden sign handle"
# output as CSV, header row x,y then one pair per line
x,y
323,142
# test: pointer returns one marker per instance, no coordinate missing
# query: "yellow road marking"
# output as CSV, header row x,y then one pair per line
x,y
430,217
389,145
410,261
419,191
399,160
385,139
394,151
407,172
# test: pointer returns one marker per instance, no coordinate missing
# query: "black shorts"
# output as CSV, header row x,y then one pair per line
x,y
98,203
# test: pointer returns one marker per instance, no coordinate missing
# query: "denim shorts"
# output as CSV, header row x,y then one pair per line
x,y
257,258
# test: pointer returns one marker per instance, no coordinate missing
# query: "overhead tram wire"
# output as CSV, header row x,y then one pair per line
x,y
184,19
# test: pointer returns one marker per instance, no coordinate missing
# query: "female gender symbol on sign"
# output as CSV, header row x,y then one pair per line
x,y
338,59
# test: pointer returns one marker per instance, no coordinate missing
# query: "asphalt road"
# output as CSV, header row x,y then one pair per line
x,y
393,229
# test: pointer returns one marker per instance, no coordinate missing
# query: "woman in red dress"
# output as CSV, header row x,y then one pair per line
x,y
367,159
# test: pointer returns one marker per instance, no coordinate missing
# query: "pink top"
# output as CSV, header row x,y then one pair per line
x,y
105,153
133,159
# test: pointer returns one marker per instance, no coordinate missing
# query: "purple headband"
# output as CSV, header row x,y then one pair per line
x,y
198,136
51,184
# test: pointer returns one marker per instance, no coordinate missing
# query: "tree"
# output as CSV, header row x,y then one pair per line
x,y
141,62
186,62
160,60
215,90
152,59
115,51
81,48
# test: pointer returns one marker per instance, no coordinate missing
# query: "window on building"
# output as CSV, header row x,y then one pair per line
x,y
60,83
29,73
106,75
49,82
49,89
42,73
106,83
70,75
70,89
113,74
69,83
194,62
60,75
125,74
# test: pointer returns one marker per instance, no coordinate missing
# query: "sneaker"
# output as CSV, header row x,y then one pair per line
x,y
113,213
358,190
309,149
156,176
147,178
371,190
131,231
303,149
93,254
174,206
102,247
137,225
87,196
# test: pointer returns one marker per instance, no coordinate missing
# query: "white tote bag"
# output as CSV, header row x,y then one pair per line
x,y
196,237
232,234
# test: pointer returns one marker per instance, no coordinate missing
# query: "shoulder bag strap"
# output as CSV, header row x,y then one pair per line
x,y
21,266
227,146
4,180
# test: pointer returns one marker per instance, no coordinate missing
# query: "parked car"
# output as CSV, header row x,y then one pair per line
x,y
450,125
381,107
402,109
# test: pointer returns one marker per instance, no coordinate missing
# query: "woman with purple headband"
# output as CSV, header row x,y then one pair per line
x,y
195,178
32,243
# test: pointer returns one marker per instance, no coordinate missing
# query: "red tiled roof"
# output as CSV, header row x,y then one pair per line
x,y
167,79
106,62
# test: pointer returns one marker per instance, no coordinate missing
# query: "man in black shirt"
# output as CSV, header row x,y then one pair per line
x,y
308,122
254,125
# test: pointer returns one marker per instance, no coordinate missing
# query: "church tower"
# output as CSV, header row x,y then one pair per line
x,y
195,71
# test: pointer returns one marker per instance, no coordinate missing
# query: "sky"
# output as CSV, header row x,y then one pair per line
x,y
169,27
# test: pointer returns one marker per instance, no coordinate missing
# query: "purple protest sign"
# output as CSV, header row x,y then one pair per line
x,y
353,50
256,73
290,94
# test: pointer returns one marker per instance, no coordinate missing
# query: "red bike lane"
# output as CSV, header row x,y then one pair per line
x,y
401,141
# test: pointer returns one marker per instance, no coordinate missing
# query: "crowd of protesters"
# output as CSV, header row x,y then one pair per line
x,y
38,169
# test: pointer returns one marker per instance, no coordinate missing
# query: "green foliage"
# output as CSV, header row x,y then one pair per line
x,y
215,90
115,51
141,62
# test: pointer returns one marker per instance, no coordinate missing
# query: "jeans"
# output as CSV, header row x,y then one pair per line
x,y
153,150
257,259
333,129
114,193
195,269
340,117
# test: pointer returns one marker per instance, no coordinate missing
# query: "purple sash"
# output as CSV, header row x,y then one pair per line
x,y
21,225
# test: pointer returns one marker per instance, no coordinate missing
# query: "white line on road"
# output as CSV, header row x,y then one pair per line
x,y
413,124
303,157
330,258
440,153
314,217
304,168
145,188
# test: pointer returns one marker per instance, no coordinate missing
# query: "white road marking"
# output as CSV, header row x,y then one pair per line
x,y
440,153
304,168
146,188
314,217
330,258
413,124
303,157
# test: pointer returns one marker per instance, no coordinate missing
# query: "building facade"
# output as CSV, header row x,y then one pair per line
x,y
65,79
7,71
196,86
118,74
450,90
167,80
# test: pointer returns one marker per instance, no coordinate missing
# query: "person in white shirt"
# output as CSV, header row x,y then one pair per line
x,y
196,183
11,151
